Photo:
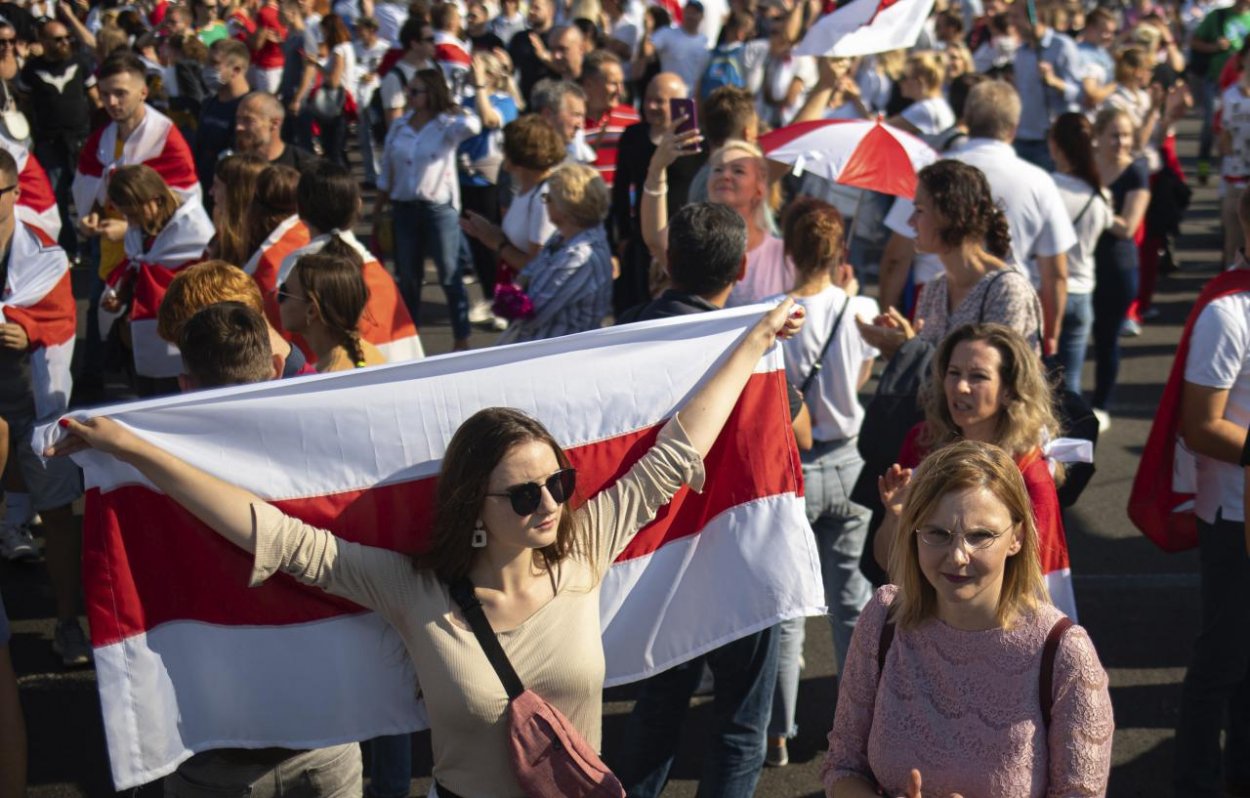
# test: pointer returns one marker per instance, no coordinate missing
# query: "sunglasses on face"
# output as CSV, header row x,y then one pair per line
x,y
58,40
527,496
7,43
283,295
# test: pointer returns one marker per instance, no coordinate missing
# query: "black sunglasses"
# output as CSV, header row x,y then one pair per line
x,y
8,43
283,295
527,496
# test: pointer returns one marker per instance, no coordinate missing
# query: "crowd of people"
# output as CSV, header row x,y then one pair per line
x,y
566,165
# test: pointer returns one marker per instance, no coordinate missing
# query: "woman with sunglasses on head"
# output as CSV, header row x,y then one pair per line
x,y
499,520
321,301
418,178
962,678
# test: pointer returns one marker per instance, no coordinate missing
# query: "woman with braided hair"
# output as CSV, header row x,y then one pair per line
x,y
322,300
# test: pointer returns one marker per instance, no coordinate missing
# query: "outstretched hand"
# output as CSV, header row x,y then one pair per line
x,y
889,331
100,433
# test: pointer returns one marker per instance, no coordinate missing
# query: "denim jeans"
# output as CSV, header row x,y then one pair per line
x,y
432,229
332,772
390,766
1078,320
1036,152
1206,92
830,469
1115,286
791,634
1217,685
745,672
59,159
369,150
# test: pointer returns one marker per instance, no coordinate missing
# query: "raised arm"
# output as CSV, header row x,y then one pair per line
x,y
705,414
653,213
224,507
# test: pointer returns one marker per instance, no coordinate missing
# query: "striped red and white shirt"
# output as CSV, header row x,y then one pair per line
x,y
604,135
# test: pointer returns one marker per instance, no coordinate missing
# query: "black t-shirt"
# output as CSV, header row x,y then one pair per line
x,y
214,135
17,389
297,158
487,41
58,96
526,64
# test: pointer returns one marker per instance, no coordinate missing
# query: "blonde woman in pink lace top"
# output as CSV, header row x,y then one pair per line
x,y
956,709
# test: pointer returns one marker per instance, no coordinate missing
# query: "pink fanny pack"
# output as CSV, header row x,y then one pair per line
x,y
550,758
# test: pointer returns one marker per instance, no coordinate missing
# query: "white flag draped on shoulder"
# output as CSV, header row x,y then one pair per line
x,y
189,658
865,27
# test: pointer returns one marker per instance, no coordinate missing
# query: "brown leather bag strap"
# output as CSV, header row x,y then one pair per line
x,y
1046,681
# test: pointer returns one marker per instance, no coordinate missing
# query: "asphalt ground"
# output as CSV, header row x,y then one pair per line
x,y
1139,605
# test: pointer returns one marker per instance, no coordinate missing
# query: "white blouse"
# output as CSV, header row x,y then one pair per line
x,y
421,164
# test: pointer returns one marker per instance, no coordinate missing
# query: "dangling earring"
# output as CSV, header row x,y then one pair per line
x,y
478,541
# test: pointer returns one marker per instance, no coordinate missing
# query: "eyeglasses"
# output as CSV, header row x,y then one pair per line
x,y
59,39
7,43
528,496
283,295
975,539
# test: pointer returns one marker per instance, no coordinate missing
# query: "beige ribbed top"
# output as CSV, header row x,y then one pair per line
x,y
557,651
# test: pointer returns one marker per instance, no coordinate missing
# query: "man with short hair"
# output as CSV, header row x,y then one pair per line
x,y
258,128
683,50
228,343
1097,69
62,89
1041,232
228,61
416,38
1214,416
37,321
568,52
136,133
1047,76
707,245
451,53
637,145
603,80
528,50
564,105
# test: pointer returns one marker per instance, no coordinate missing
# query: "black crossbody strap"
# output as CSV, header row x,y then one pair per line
x,y
819,364
986,296
462,593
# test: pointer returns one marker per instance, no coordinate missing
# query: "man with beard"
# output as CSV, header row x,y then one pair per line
x,y
603,80
258,130
226,76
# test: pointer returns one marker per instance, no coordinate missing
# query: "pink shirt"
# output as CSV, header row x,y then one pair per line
x,y
962,707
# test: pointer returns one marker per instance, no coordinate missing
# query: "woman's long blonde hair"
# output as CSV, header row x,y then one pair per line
x,y
966,465
1028,415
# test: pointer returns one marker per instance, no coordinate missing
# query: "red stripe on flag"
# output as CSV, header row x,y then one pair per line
x,y
168,566
784,135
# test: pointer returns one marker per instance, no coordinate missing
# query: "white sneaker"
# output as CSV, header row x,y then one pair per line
x,y
1104,419
499,324
17,544
480,313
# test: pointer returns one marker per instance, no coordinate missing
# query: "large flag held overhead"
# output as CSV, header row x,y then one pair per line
x,y
865,27
189,658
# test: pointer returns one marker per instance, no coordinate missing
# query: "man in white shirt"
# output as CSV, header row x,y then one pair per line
x,y
1214,416
564,105
1041,232
417,39
683,50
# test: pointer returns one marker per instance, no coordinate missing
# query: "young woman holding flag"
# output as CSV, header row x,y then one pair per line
x,y
500,521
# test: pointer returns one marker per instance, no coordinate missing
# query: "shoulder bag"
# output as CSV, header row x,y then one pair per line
x,y
550,758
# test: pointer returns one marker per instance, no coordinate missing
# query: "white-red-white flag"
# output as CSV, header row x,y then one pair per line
x,y
864,27
38,296
37,201
189,658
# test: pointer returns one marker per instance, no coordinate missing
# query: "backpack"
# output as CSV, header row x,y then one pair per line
x,y
725,68
376,113
1159,508
550,758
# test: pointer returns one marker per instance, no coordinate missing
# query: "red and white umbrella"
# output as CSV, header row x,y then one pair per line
x,y
852,152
